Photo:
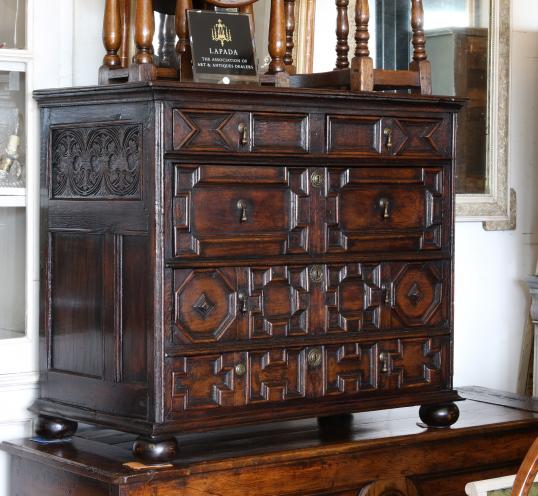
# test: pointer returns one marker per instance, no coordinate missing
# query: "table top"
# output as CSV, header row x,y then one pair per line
x,y
102,453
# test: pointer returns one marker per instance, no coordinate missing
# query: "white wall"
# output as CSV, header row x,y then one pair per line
x,y
491,302
491,297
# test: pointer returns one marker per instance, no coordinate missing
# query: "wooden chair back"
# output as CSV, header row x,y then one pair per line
x,y
358,75
527,472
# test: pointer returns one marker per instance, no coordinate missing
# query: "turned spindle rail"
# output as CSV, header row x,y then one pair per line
x,y
358,74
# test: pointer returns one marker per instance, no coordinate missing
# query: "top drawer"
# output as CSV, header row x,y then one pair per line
x,y
389,136
218,131
261,132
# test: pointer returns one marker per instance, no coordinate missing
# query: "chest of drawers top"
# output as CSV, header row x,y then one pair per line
x,y
208,119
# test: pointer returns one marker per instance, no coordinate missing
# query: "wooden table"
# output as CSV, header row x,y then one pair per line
x,y
296,458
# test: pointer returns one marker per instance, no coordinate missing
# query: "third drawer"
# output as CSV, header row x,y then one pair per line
x,y
232,304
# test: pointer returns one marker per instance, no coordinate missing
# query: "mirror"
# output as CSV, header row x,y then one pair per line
x,y
468,45
457,44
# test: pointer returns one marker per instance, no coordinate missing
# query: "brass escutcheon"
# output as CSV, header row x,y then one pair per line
x,y
314,357
240,370
316,178
316,273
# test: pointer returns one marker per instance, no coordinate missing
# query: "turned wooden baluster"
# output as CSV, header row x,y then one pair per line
x,y
144,31
167,41
417,24
342,33
125,8
277,37
420,61
362,36
290,30
362,66
249,9
183,46
112,33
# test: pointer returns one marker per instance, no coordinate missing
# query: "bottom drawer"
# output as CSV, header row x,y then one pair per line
x,y
239,381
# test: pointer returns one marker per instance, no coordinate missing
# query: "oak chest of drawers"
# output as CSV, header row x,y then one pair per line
x,y
215,256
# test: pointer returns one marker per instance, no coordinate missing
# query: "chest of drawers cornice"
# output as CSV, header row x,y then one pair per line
x,y
215,256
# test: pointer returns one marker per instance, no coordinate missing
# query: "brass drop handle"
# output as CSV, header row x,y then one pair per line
x,y
384,359
384,205
387,290
243,298
243,134
242,207
387,132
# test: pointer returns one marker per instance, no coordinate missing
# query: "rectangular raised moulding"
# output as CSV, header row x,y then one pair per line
x,y
280,133
388,209
248,211
366,135
238,383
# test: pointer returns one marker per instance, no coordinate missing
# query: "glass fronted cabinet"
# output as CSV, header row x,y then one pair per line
x,y
18,188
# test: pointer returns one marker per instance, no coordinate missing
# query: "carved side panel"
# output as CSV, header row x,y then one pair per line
x,y
243,211
77,303
384,209
353,298
96,161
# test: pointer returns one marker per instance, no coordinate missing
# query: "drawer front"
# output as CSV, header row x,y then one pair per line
x,y
222,211
241,304
254,304
210,131
386,297
241,381
388,136
387,209
228,131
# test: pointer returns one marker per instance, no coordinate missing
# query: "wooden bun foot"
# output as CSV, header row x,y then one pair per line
x,y
52,428
155,451
439,416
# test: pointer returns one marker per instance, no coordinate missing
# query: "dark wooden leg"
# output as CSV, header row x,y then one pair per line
x,y
439,416
153,451
342,421
52,428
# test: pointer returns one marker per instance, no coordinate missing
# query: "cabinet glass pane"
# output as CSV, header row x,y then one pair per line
x,y
12,23
12,272
12,139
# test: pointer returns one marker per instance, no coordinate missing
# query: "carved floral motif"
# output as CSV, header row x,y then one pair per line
x,y
100,162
